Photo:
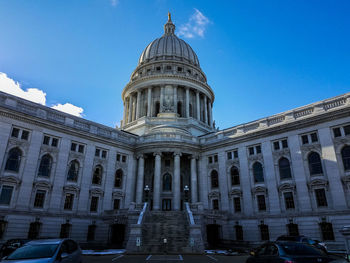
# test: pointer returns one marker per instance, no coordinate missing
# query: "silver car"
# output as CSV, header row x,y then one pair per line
x,y
47,251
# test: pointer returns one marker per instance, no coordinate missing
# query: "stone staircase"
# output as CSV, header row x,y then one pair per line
x,y
171,225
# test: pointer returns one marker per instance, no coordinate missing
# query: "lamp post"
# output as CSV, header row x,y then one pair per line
x,y
186,190
146,189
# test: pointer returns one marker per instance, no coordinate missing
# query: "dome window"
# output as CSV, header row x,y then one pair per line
x,y
158,68
168,67
189,71
179,69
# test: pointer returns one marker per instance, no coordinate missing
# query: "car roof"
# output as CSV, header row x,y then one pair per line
x,y
46,241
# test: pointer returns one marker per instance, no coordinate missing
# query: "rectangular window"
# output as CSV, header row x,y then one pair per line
x,y
54,142
327,231
216,204
235,154
68,202
118,157
6,194
284,144
276,145
251,151
314,137
167,163
123,159
104,154
116,204
261,203
304,139
258,149
25,135
347,129
46,140
264,232
210,159
215,158
81,148
237,204
336,132
229,155
239,232
289,200
91,233
94,204
73,147
39,199
15,132
321,199
97,152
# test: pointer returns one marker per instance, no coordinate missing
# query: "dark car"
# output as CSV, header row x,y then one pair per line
x,y
11,245
291,252
303,239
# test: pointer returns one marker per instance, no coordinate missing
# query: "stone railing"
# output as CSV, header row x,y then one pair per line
x,y
54,116
139,220
189,214
304,112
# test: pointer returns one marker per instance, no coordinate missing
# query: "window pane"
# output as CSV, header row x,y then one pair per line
x,y
347,129
289,200
39,199
284,168
91,233
214,179
97,152
345,154
81,148
229,155
94,204
261,203
336,132
304,139
25,135
321,197
264,232
258,173
251,150
327,231
68,202
276,145
314,137
216,204
54,142
315,165
6,194
239,232
235,154
73,147
116,204
237,204
258,149
13,160
46,140
284,144
15,132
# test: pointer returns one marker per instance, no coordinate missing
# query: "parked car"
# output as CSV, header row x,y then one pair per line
x,y
305,240
11,245
291,252
47,251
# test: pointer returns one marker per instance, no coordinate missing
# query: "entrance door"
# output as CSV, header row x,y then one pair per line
x,y
166,205
117,235
213,235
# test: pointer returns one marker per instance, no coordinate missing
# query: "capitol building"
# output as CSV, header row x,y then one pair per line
x,y
167,176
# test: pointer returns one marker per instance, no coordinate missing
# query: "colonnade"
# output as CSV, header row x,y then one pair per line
x,y
137,104
176,190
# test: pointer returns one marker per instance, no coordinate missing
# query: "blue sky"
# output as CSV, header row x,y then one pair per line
x,y
260,57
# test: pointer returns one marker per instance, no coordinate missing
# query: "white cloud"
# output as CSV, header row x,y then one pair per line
x,y
114,3
195,26
12,87
69,108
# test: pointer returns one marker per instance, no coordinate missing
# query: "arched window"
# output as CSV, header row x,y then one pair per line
x,y
73,171
284,168
315,165
179,108
97,176
45,165
234,176
166,182
13,160
214,179
345,155
258,173
118,178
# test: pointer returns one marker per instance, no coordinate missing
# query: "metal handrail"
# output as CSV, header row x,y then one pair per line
x,y
139,221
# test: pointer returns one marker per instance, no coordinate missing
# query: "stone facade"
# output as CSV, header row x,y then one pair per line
x,y
65,176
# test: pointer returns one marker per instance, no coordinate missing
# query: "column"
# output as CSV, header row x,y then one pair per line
x,y
198,106
210,114
156,187
175,99
140,177
194,193
330,163
223,187
130,181
138,104
125,111
149,106
130,109
161,99
205,110
203,179
176,181
187,102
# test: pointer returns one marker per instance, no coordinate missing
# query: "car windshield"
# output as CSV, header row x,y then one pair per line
x,y
300,249
34,251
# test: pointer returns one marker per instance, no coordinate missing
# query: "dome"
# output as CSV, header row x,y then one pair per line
x,y
169,45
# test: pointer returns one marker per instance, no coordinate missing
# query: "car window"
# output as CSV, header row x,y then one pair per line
x,y
260,251
72,246
300,249
271,250
64,247
34,251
